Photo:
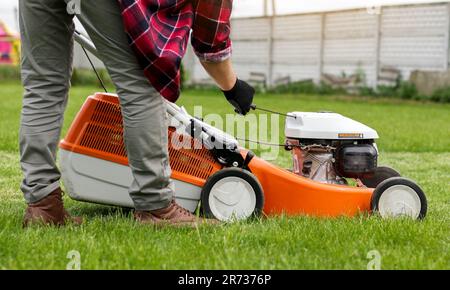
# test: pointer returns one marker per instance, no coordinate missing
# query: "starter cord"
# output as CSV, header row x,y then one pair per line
x,y
95,70
254,107
261,143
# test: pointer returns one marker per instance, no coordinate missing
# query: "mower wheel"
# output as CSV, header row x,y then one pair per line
x,y
399,197
232,194
381,174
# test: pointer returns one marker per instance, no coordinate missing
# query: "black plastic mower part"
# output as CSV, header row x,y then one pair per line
x,y
356,161
229,157
194,129
232,172
383,186
381,174
248,158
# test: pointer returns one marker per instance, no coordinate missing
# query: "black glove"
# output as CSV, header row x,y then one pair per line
x,y
240,97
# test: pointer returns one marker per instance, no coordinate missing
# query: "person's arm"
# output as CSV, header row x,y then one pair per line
x,y
222,73
237,92
212,44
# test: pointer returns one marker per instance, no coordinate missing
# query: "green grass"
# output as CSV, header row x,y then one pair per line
x,y
415,139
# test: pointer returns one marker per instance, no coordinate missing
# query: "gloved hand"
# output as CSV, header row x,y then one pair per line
x,y
240,97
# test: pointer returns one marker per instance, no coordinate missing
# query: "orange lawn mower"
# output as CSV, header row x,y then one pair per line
x,y
211,170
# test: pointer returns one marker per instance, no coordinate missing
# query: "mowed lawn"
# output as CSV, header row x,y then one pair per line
x,y
415,139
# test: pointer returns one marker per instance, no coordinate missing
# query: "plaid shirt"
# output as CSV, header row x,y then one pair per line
x,y
158,32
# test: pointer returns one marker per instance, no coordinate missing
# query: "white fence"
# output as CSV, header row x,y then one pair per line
x,y
304,46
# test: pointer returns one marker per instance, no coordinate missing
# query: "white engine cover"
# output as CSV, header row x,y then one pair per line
x,y
328,126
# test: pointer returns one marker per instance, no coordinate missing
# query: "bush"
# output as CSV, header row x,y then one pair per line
x,y
9,73
325,89
306,87
387,91
407,91
367,92
441,95
302,87
404,90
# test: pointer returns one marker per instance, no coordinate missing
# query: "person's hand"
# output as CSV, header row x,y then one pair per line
x,y
240,97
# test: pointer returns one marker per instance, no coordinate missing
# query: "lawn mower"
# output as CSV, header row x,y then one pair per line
x,y
335,170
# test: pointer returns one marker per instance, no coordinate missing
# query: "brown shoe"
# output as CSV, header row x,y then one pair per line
x,y
49,211
173,215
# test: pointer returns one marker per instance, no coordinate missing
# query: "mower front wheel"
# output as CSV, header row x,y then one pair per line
x,y
232,194
399,197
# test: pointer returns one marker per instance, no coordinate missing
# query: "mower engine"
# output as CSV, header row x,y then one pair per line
x,y
328,147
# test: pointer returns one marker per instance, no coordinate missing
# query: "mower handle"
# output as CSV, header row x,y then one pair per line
x,y
85,42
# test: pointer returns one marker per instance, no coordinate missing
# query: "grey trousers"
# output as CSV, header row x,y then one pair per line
x,y
47,49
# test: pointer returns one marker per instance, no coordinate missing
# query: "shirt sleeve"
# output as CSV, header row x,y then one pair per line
x,y
211,29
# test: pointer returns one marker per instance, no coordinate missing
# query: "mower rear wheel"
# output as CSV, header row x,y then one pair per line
x,y
399,197
381,174
232,194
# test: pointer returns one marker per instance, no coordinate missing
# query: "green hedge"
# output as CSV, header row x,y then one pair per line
x,y
306,87
441,95
407,91
403,90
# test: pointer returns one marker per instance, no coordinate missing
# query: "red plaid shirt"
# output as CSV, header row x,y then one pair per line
x,y
159,30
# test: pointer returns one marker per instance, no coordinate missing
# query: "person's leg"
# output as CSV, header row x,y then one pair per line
x,y
143,109
46,33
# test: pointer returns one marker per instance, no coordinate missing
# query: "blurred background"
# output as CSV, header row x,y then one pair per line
x,y
393,48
